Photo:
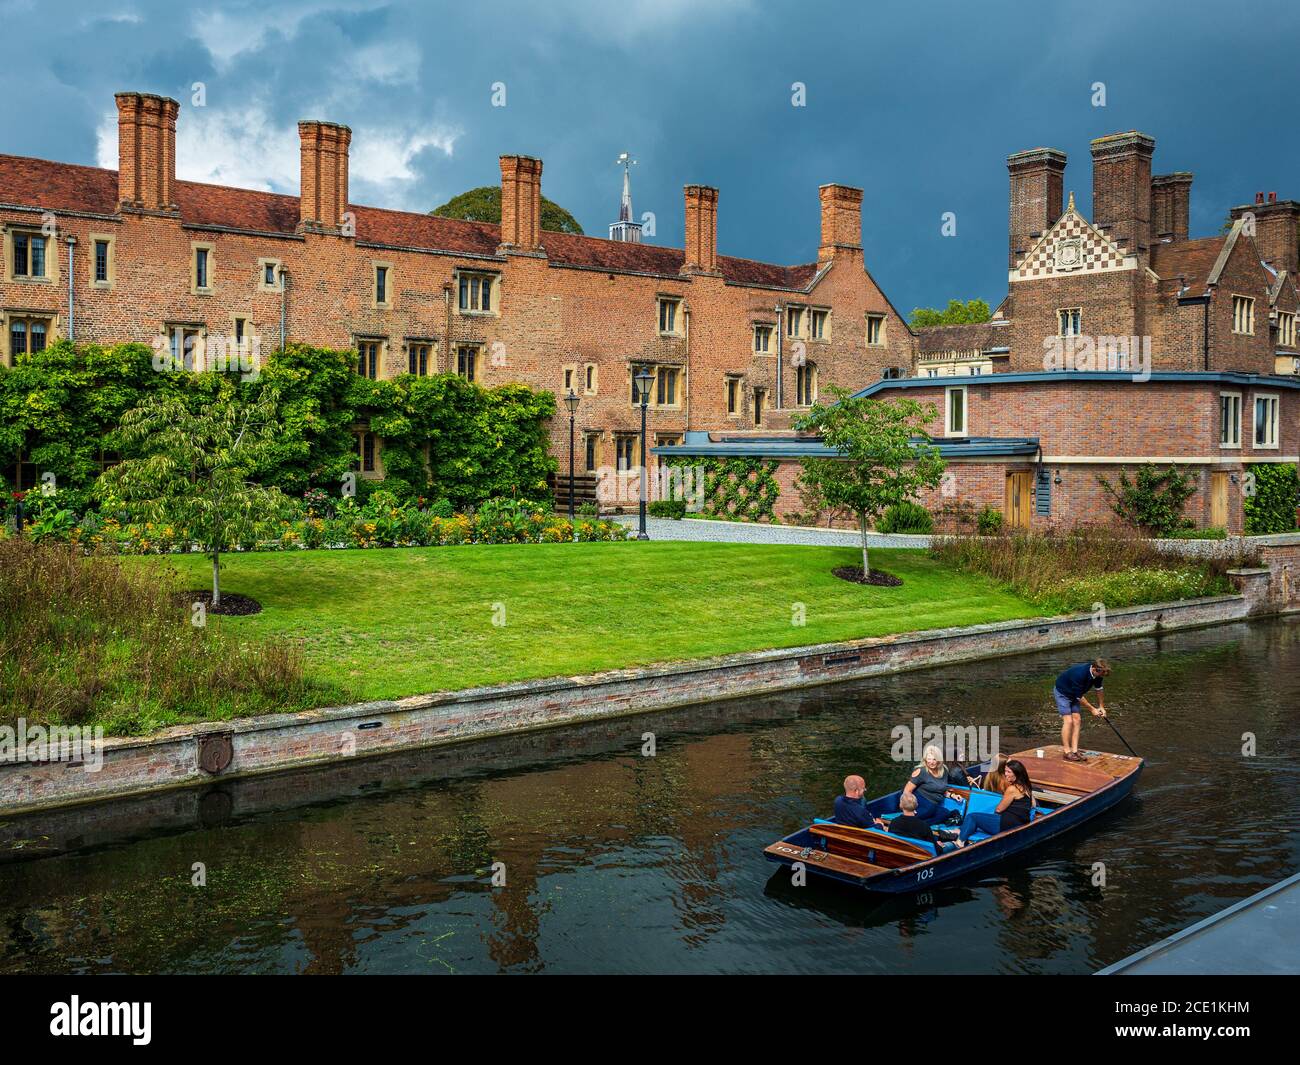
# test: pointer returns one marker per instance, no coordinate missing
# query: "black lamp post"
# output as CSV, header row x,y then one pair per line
x,y
644,379
571,401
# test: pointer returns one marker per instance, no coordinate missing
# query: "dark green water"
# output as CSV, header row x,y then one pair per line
x,y
620,863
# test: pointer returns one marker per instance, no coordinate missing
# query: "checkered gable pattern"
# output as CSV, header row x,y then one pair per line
x,y
1072,246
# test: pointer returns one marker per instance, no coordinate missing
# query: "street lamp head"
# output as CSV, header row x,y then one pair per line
x,y
571,401
644,379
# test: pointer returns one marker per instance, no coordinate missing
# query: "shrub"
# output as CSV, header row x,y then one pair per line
x,y
1272,507
442,508
1152,501
588,510
989,522
905,518
667,508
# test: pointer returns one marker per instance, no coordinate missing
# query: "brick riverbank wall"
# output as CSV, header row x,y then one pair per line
x,y
177,757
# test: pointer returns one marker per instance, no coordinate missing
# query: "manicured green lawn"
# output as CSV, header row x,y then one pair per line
x,y
387,623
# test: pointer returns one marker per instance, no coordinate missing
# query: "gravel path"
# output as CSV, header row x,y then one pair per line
x,y
736,532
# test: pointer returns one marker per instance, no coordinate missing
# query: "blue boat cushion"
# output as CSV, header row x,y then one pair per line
x,y
982,802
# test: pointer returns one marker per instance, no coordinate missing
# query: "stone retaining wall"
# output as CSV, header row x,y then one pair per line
x,y
199,754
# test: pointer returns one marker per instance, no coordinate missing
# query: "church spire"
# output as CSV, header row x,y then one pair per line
x,y
625,229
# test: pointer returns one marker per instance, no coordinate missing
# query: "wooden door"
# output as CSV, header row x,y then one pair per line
x,y
1019,498
1219,498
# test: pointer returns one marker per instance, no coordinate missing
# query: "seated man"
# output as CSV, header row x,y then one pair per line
x,y
851,807
908,824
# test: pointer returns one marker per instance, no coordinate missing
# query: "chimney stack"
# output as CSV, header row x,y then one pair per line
x,y
1037,182
841,220
1277,231
1121,189
323,187
701,230
146,152
1171,196
521,203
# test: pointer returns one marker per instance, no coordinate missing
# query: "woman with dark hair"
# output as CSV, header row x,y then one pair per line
x,y
1015,809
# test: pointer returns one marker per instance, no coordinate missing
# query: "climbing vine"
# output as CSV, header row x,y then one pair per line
x,y
740,488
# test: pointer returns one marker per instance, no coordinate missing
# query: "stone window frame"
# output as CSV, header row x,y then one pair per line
x,y
734,390
1061,313
389,273
52,268
760,406
359,436
826,325
568,371
1247,305
626,437
1286,332
1274,423
591,441
111,240
262,264
657,368
198,351
250,329
381,354
801,378
948,429
800,332
1230,445
52,330
767,327
590,378
431,361
476,367
881,320
677,304
210,264
494,291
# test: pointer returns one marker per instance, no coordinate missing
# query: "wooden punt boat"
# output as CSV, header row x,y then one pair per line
x,y
1065,795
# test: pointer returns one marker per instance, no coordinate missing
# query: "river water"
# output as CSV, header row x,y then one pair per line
x,y
618,862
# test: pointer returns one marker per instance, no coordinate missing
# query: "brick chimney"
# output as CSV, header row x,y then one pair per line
x,y
1277,231
1171,196
841,220
323,186
521,203
146,152
1037,182
701,230
1121,189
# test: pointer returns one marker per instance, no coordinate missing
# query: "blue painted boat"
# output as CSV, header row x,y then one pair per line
x,y
1066,794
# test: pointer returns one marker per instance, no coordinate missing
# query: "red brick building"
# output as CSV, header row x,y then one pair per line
x,y
203,272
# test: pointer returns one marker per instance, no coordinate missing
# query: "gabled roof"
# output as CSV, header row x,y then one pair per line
x,y
1192,260
1091,251
970,336
71,189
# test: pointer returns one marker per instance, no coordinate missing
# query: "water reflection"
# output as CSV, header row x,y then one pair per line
x,y
619,863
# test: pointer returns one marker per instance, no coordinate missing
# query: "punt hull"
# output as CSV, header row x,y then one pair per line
x,y
805,845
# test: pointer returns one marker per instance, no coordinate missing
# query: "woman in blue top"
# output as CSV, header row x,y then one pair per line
x,y
1069,694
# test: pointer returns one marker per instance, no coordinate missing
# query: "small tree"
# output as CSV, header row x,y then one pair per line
x,y
885,452
1152,501
192,469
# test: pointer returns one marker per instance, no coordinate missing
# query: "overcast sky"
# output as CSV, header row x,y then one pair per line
x,y
917,103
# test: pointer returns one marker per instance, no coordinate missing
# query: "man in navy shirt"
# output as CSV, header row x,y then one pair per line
x,y
851,807
1072,687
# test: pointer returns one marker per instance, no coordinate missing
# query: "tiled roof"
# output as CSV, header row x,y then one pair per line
x,y
67,187
1193,260
972,336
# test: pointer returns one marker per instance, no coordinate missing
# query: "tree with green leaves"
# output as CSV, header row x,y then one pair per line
x,y
885,456
191,469
484,205
956,313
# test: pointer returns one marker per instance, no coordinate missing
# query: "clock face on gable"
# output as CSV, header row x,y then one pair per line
x,y
1069,254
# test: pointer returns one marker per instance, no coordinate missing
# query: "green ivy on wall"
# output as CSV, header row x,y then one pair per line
x,y
740,488
1270,508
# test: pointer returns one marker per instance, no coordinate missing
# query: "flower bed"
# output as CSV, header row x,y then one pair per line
x,y
321,523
